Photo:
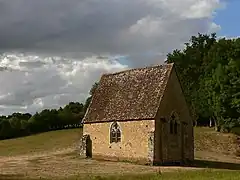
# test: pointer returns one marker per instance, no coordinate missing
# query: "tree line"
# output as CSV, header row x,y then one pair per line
x,y
23,124
209,71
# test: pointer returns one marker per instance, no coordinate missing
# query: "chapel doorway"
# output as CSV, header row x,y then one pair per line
x,y
88,147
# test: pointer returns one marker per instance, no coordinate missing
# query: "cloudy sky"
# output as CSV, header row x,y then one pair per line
x,y
51,52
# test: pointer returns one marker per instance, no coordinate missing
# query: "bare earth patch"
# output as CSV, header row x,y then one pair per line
x,y
65,163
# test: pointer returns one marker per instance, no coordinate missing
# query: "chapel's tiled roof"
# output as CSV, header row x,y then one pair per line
x,y
129,95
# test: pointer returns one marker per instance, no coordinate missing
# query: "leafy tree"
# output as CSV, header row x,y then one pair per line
x,y
93,89
19,124
209,70
190,63
6,130
91,92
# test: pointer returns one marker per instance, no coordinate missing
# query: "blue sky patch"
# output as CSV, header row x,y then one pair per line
x,y
228,19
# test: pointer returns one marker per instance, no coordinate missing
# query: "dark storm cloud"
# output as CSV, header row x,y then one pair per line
x,y
31,65
70,25
3,68
94,26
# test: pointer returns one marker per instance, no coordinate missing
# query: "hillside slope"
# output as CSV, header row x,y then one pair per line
x,y
215,146
40,143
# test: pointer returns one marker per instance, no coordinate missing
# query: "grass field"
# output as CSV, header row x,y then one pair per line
x,y
53,155
179,175
40,143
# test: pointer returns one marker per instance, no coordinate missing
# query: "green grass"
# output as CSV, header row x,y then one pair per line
x,y
38,143
186,175
179,175
236,130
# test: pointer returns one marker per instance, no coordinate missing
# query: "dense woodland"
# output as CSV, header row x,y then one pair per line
x,y
209,72
19,124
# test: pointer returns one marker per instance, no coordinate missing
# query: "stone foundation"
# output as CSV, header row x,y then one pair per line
x,y
151,147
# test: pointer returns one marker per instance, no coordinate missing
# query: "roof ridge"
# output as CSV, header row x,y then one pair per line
x,y
134,69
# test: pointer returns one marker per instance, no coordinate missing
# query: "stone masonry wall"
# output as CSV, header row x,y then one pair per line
x,y
151,146
134,143
83,145
173,100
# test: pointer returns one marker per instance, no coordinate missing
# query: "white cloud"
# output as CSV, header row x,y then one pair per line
x,y
148,26
213,27
49,82
228,37
170,24
191,9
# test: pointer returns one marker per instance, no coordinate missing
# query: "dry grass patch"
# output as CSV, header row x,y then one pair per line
x,y
40,143
67,164
53,155
208,140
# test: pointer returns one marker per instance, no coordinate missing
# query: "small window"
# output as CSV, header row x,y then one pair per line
x,y
175,127
171,127
115,133
163,119
173,124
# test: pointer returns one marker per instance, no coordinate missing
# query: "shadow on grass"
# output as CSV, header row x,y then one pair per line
x,y
18,177
207,164
11,176
215,165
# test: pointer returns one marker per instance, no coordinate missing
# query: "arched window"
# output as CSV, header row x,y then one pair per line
x,y
171,126
173,123
175,128
115,133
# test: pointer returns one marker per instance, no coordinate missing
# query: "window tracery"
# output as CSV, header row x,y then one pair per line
x,y
115,133
173,123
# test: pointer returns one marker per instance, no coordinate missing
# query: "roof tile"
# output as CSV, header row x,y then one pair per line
x,y
129,95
